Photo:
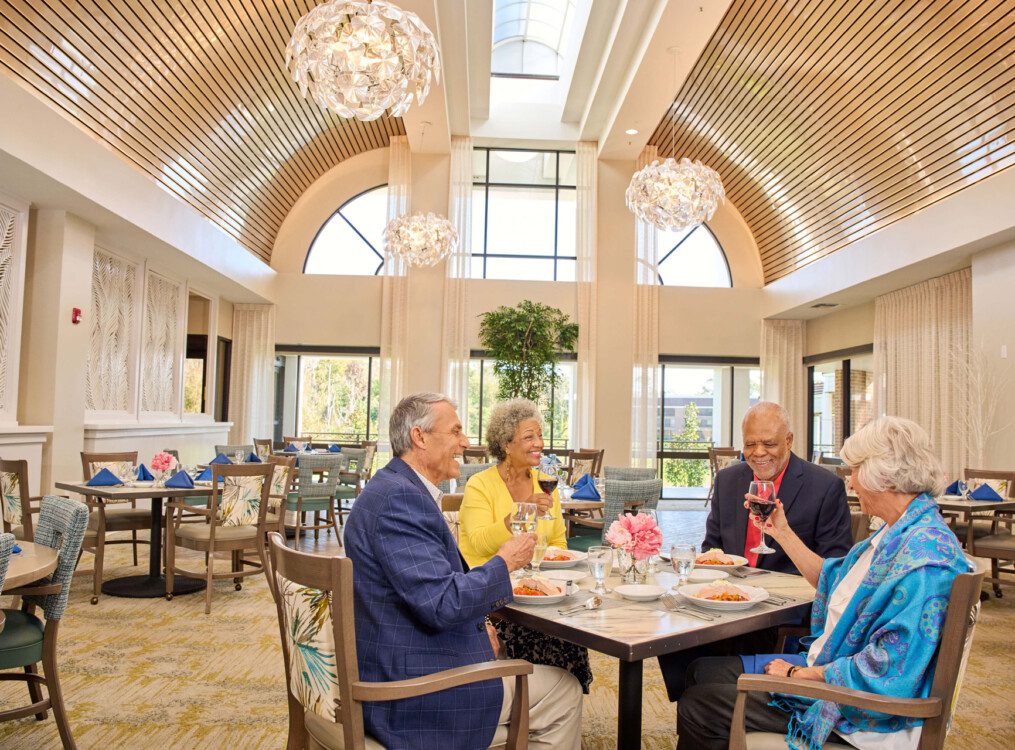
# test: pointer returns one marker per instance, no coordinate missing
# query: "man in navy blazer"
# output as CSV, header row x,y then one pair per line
x,y
813,498
420,609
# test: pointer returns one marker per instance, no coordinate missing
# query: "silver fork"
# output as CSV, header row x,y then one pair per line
x,y
670,602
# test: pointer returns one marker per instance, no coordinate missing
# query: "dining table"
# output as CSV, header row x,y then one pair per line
x,y
152,585
967,506
632,631
33,562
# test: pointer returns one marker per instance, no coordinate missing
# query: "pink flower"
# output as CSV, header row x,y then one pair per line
x,y
618,535
637,534
163,461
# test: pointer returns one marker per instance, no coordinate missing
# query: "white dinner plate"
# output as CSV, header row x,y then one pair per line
x,y
537,600
577,556
143,482
738,562
690,593
706,575
566,576
640,592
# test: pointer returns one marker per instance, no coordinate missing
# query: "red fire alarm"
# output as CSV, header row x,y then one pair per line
x,y
75,315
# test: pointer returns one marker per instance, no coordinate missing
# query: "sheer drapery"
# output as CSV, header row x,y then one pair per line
x,y
454,348
252,382
783,376
645,395
582,431
921,349
395,294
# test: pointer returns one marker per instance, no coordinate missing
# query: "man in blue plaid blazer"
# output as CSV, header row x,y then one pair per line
x,y
419,609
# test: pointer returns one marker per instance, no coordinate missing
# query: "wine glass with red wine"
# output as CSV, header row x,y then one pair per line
x,y
546,476
762,503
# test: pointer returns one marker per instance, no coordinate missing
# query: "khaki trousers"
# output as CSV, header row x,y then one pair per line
x,y
555,710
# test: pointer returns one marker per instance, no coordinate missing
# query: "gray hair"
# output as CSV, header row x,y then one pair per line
x,y
504,421
763,408
415,410
894,454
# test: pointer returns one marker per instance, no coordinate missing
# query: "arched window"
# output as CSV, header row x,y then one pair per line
x,y
692,257
351,241
528,36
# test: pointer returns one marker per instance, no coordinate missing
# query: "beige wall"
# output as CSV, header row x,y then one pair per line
x,y
841,329
225,327
197,314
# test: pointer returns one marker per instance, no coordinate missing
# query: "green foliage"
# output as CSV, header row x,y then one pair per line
x,y
524,341
687,472
333,398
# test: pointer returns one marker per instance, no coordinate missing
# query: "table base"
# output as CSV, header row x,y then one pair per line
x,y
150,587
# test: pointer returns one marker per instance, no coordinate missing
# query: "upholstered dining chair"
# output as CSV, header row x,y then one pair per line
x,y
18,506
263,448
283,486
369,453
581,463
236,521
298,441
936,709
451,505
998,546
628,473
104,519
327,712
315,492
597,467
229,450
478,455
26,640
6,547
619,494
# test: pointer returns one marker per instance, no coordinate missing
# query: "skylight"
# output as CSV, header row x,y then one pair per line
x,y
528,37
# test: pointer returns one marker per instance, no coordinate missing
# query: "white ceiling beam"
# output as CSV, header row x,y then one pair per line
x,y
426,124
479,22
453,33
599,32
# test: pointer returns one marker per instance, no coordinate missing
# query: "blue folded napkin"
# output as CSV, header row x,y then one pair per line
x,y
143,475
105,478
755,663
290,448
953,488
985,492
204,476
583,480
253,459
587,491
334,448
180,480
221,458
309,447
15,549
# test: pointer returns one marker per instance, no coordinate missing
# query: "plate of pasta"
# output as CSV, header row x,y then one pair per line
x,y
557,558
723,595
537,590
716,558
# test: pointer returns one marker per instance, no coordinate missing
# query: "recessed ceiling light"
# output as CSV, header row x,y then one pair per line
x,y
631,131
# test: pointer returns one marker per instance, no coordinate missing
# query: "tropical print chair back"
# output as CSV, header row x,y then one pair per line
x,y
240,500
1000,486
723,462
263,450
310,640
369,451
10,488
279,487
119,468
580,467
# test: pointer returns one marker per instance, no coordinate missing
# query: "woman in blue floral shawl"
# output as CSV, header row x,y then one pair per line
x,y
877,615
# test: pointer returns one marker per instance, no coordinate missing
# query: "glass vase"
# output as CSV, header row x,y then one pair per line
x,y
632,570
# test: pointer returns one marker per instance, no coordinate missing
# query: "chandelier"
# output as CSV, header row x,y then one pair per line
x,y
420,239
673,196
359,59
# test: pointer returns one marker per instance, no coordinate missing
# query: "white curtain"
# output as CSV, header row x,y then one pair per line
x,y
921,352
783,376
454,347
395,294
584,417
251,388
645,395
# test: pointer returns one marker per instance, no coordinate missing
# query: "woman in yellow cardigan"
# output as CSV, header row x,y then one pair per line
x,y
515,438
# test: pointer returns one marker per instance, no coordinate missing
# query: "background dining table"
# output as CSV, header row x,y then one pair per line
x,y
967,507
635,631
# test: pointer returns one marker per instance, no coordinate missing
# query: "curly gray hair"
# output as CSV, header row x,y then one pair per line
x,y
504,421
894,454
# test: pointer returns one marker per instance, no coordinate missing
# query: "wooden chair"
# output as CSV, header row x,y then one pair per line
x,y
263,448
313,496
628,473
351,478
305,440
451,504
935,710
230,449
998,546
597,468
282,487
237,520
339,701
105,519
478,455
25,640
18,506
581,463
369,452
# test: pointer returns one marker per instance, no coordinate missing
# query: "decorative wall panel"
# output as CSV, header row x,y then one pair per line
x,y
110,376
13,233
8,223
160,345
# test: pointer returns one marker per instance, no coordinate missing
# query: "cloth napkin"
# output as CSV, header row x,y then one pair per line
x,y
104,478
756,663
309,447
253,459
221,458
334,448
204,476
291,449
180,480
143,475
985,492
15,549
585,489
953,488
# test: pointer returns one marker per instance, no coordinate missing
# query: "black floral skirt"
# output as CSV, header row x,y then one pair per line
x,y
521,642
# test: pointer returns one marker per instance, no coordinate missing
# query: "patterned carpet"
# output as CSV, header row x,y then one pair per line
x,y
158,674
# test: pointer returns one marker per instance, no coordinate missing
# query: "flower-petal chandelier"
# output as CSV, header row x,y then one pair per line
x,y
420,239
673,196
359,59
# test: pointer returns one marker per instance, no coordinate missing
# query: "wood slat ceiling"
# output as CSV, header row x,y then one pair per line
x,y
193,93
830,119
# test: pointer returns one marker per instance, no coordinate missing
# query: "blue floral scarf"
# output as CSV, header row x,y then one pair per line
x,y
887,637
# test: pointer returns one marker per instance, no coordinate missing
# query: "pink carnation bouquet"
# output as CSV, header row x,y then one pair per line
x,y
163,461
638,535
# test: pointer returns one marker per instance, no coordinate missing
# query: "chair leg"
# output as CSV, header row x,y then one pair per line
x,y
34,692
207,591
332,520
317,522
100,553
996,575
237,567
56,692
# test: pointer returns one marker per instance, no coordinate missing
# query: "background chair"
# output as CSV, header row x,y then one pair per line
x,y
105,519
478,455
313,496
25,641
628,473
581,463
230,450
17,504
451,504
597,468
281,488
620,494
719,459
306,439
369,452
936,709
1002,482
263,448
352,475
236,520
331,715
998,546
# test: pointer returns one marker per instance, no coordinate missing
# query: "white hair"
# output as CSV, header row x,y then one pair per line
x,y
894,454
768,408
415,410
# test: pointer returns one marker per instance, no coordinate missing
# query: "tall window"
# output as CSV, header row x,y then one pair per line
x,y
523,215
837,410
692,257
351,241
556,409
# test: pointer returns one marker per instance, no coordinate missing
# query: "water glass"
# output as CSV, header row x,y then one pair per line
x,y
238,457
538,552
600,561
963,487
682,558
601,487
523,520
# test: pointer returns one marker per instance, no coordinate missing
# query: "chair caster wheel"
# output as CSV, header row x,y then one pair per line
x,y
95,600
169,597
239,586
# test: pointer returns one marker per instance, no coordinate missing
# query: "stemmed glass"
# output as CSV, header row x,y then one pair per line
x,y
963,487
538,552
600,561
762,503
548,479
523,521
238,457
682,557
